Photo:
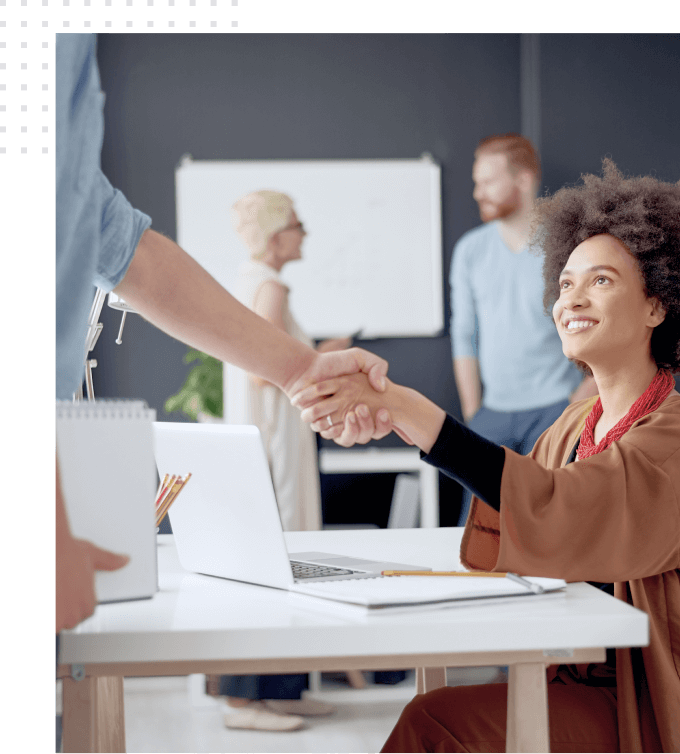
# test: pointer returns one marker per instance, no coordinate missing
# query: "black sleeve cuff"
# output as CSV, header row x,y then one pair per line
x,y
470,459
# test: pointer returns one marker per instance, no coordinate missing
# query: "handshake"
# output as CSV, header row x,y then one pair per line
x,y
346,396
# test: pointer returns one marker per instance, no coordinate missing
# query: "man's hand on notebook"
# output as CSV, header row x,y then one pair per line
x,y
77,562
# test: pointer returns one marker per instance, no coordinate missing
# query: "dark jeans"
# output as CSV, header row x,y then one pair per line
x,y
264,686
517,430
57,718
284,686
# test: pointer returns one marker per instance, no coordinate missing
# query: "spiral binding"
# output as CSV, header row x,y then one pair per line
x,y
107,408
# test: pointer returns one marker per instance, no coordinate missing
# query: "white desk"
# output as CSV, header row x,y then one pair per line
x,y
200,624
381,460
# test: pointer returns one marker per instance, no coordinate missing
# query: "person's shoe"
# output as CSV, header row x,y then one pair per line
x,y
305,707
256,716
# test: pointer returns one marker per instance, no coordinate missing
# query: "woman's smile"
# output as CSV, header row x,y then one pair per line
x,y
578,325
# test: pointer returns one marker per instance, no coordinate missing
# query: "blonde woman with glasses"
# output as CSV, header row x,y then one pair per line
x,y
269,227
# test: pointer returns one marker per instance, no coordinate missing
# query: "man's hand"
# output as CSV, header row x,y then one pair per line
x,y
468,384
337,363
343,410
77,561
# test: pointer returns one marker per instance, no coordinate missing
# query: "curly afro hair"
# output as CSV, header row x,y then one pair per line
x,y
644,214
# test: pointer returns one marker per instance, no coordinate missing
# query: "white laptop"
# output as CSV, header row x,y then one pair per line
x,y
226,521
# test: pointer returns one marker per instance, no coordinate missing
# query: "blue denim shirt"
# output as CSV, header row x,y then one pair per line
x,y
97,230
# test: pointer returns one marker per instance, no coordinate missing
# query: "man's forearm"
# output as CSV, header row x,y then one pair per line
x,y
466,372
170,289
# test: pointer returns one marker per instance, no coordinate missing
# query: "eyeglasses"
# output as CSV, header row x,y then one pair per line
x,y
297,226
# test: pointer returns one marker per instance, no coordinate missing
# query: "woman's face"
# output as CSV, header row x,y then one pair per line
x,y
290,240
603,315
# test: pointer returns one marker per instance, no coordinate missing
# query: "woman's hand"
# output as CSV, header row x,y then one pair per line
x,y
347,410
360,427
334,408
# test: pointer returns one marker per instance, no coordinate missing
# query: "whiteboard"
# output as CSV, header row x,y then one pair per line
x,y
372,259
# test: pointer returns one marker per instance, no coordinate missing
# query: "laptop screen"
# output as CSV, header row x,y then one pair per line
x,y
226,521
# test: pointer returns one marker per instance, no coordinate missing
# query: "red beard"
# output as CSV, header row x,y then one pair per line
x,y
489,211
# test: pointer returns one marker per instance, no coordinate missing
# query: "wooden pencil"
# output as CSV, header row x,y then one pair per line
x,y
167,501
160,487
166,489
170,499
166,506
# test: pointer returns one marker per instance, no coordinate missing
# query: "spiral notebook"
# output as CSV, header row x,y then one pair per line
x,y
401,593
108,477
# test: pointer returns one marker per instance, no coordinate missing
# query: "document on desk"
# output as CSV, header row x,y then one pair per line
x,y
411,592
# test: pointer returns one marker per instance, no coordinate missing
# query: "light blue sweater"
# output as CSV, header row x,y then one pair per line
x,y
497,315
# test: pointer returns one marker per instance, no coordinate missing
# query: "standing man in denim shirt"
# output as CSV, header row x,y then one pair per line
x,y
102,240
512,377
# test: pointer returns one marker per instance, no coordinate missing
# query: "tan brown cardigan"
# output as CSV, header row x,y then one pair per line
x,y
614,517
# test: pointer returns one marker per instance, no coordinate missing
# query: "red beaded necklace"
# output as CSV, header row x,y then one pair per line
x,y
657,392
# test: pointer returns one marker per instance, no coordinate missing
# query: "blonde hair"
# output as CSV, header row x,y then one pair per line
x,y
258,215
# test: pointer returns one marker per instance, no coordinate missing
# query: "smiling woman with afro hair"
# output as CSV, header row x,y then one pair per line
x,y
598,497
644,214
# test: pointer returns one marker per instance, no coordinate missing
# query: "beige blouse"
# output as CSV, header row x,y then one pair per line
x,y
290,444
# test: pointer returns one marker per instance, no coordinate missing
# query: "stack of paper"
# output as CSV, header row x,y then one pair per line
x,y
389,593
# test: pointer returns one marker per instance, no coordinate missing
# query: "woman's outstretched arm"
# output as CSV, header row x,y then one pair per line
x,y
459,452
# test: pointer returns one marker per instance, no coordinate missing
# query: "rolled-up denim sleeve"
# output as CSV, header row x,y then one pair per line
x,y
121,228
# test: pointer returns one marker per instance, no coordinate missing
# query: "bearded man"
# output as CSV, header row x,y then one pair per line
x,y
512,377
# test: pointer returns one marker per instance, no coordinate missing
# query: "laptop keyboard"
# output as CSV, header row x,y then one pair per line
x,y
311,571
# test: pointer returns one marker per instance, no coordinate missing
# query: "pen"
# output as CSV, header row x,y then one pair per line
x,y
535,588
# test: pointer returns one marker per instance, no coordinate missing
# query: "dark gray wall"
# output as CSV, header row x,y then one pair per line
x,y
366,96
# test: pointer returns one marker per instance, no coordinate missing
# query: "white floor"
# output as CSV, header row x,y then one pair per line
x,y
173,715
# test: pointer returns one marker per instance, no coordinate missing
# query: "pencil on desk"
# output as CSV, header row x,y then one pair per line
x,y
486,574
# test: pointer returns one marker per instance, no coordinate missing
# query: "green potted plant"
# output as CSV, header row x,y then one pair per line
x,y
202,394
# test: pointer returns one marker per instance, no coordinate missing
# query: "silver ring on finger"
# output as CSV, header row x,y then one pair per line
x,y
329,420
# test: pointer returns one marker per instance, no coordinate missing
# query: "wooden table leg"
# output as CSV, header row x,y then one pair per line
x,y
429,679
93,718
527,727
356,679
